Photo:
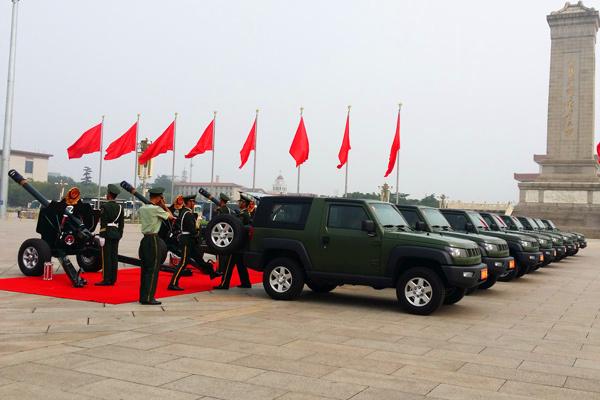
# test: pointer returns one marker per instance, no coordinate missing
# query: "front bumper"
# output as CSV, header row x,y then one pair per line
x,y
498,266
530,260
582,244
464,277
561,251
549,255
572,249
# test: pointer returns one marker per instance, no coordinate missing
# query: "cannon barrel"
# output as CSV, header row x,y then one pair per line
x,y
209,196
76,222
17,177
128,187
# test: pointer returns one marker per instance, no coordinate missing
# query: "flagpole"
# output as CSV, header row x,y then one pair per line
x,y
8,114
173,165
101,157
298,183
135,166
212,166
347,162
255,135
398,165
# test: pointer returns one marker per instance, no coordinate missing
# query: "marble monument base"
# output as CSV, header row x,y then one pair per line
x,y
572,206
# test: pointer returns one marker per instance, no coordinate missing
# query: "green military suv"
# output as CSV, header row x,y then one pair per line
x,y
494,251
327,242
513,224
523,248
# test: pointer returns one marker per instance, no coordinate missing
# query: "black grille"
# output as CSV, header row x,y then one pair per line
x,y
503,247
473,252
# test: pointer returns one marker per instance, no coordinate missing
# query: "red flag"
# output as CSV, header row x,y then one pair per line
x,y
161,145
395,148
123,145
87,143
206,141
300,148
598,151
343,154
249,145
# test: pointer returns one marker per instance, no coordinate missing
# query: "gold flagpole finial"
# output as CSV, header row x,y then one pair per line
x,y
301,111
349,107
399,106
176,114
138,115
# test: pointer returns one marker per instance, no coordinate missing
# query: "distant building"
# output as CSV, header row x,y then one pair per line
x,y
232,190
279,186
31,165
502,208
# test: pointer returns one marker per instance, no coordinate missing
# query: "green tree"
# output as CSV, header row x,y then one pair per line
x,y
87,175
164,181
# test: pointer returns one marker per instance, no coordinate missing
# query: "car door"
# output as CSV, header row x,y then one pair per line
x,y
343,246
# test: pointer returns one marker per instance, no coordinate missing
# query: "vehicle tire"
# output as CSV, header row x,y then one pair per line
x,y
89,262
283,279
224,234
33,253
508,275
521,270
420,291
488,283
454,295
319,287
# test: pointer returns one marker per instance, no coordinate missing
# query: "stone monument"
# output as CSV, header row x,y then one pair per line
x,y
567,187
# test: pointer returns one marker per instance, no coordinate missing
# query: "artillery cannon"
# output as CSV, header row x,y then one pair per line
x,y
224,234
63,233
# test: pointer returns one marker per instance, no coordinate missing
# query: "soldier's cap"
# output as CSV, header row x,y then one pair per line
x,y
224,197
245,197
156,191
114,189
189,197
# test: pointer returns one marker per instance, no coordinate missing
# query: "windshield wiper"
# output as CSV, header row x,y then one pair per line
x,y
388,226
401,226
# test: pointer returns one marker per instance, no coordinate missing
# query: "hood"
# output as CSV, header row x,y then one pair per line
x,y
429,238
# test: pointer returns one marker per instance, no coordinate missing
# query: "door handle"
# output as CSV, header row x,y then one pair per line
x,y
324,241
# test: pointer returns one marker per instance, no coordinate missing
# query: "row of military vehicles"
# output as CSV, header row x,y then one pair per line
x,y
430,256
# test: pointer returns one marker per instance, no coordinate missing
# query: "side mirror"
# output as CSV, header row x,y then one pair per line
x,y
470,228
420,226
368,226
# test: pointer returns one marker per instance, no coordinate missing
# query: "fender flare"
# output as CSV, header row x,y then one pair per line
x,y
399,252
296,246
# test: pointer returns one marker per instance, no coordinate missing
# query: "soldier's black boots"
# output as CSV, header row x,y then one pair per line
x,y
152,302
174,287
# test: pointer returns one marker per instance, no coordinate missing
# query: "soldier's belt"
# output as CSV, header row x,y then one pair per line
x,y
113,225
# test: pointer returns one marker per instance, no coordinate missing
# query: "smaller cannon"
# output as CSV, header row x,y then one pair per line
x,y
63,233
224,234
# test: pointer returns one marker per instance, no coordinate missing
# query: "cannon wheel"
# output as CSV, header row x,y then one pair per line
x,y
224,234
89,262
32,256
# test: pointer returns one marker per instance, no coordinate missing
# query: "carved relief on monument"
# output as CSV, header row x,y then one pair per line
x,y
532,196
566,197
570,119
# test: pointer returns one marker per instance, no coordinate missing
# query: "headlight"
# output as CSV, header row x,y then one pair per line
x,y
490,247
526,244
565,238
456,252
554,240
542,242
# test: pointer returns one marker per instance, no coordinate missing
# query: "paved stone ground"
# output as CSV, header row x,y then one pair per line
x,y
538,337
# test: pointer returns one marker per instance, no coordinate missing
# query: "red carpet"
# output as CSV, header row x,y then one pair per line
x,y
126,290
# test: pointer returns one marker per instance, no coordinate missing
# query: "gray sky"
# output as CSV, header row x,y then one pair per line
x,y
473,77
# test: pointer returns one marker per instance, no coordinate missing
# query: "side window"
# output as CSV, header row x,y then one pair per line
x,y
346,217
457,221
288,215
411,217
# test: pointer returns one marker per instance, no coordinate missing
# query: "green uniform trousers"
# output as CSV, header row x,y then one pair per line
x,y
152,252
110,261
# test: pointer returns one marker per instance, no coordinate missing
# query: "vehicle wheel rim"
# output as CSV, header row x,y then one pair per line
x,y
418,292
280,279
30,257
222,234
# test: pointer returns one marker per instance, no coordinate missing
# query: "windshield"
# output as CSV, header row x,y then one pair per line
x,y
388,215
501,224
533,224
550,224
540,224
518,223
435,218
478,221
